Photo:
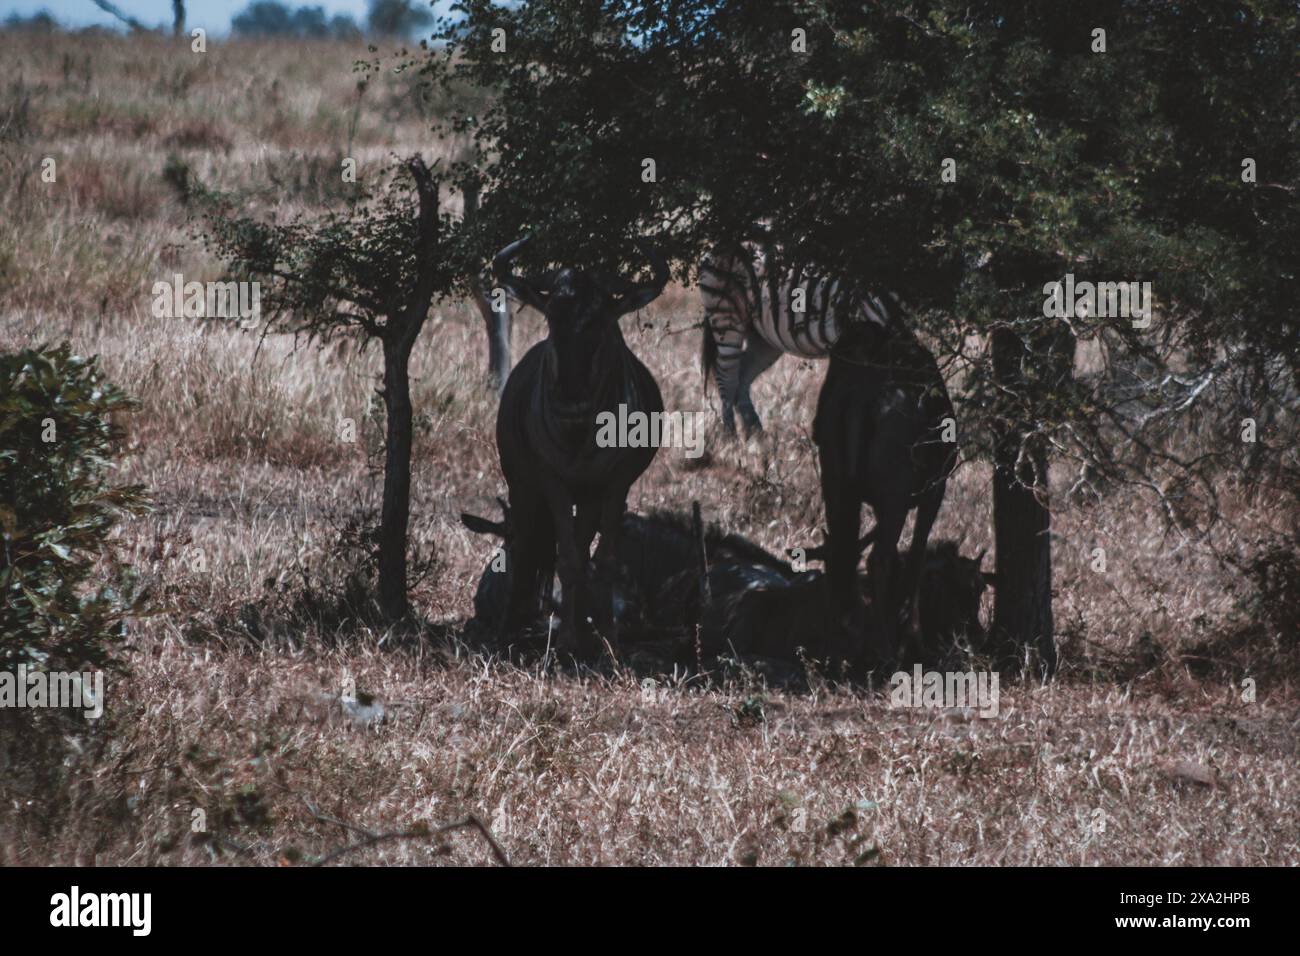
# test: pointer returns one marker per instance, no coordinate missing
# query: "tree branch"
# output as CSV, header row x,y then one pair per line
x,y
416,307
126,18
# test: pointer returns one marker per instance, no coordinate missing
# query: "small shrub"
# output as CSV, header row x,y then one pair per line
x,y
16,119
57,509
179,176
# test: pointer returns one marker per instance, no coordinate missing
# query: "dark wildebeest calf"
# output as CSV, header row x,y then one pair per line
x,y
658,556
564,487
773,619
878,430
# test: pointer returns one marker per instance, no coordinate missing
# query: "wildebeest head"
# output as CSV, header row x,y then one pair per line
x,y
582,309
952,588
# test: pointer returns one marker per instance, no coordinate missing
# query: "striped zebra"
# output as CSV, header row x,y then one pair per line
x,y
756,308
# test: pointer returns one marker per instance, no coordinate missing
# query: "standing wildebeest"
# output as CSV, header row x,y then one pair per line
x,y
564,487
878,429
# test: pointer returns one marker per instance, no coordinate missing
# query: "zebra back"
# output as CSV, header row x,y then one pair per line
x,y
749,289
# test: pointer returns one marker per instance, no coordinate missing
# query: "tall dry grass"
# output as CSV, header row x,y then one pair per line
x,y
1143,750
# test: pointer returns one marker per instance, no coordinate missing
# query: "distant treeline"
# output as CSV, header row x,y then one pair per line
x,y
42,22
270,18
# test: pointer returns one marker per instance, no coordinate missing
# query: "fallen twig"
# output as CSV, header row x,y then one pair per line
x,y
370,838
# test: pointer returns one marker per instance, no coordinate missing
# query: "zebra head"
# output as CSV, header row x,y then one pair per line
x,y
582,309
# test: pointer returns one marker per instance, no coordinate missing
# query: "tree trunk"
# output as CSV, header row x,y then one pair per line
x,y
399,338
498,324
1022,613
178,18
395,517
498,336
1022,519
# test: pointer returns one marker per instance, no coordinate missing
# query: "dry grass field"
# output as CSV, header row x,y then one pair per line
x,y
1144,749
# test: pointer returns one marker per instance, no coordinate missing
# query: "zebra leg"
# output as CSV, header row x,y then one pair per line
x,y
726,374
757,358
728,416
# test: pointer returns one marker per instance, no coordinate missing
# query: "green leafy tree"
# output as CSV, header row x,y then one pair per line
x,y
370,270
965,155
64,600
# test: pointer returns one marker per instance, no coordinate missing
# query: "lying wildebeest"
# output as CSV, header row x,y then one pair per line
x,y
659,575
878,430
760,606
563,485
773,621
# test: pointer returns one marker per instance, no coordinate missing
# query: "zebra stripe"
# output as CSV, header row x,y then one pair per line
x,y
748,295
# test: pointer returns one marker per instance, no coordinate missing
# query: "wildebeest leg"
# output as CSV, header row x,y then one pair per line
x,y
891,474
843,519
571,563
612,507
910,585
883,566
544,587
529,557
588,606
757,358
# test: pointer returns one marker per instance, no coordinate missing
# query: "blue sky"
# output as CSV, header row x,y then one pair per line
x,y
213,15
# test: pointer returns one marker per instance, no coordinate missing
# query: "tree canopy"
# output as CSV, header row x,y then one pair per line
x,y
1118,155
973,157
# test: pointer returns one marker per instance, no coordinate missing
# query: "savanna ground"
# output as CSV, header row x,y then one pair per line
x,y
1146,749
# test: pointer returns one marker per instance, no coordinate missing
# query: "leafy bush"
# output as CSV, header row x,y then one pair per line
x,y
57,509
1273,577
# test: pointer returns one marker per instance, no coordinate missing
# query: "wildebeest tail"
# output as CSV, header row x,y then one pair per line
x,y
708,354
481,525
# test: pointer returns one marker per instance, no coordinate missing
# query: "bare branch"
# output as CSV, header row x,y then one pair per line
x,y
114,10
415,833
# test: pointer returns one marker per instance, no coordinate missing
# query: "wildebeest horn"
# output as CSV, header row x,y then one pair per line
x,y
482,525
644,293
521,288
502,261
